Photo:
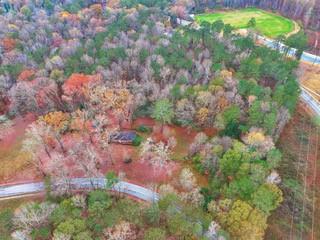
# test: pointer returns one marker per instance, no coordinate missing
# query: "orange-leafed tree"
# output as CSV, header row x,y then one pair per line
x,y
123,105
118,101
59,121
81,121
26,75
75,89
8,44
203,115
78,121
222,104
97,8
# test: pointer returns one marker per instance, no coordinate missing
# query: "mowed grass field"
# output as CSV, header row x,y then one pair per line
x,y
268,24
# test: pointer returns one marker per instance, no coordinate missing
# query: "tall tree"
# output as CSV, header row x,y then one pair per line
x,y
298,41
252,23
267,198
163,112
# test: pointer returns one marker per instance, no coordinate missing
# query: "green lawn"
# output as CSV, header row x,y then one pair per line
x,y
268,24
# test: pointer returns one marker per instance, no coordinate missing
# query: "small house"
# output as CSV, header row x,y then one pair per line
x,y
123,137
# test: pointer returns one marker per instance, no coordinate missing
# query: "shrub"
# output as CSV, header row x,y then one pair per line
x,y
137,141
231,114
217,82
83,236
41,233
144,129
6,223
155,234
130,211
122,231
232,129
71,227
168,200
143,111
152,214
187,179
197,161
98,196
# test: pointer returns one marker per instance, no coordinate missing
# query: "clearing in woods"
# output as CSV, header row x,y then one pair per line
x,y
268,24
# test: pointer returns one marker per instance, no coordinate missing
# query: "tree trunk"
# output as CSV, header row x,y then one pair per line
x,y
60,144
47,151
40,168
110,156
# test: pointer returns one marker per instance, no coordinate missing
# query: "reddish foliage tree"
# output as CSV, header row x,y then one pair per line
x,y
8,44
76,87
77,83
26,75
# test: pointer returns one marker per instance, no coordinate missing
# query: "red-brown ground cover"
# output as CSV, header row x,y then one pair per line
x,y
13,165
137,171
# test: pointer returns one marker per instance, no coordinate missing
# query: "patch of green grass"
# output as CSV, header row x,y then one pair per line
x,y
268,24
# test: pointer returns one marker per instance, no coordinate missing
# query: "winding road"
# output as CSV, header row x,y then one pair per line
x,y
310,100
307,57
21,190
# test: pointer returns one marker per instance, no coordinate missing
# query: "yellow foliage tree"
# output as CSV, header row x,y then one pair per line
x,y
59,121
226,74
255,138
202,115
119,101
243,222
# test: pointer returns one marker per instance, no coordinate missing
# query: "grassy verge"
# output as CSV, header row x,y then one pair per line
x,y
12,161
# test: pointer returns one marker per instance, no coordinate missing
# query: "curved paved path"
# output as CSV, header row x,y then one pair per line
x,y
21,190
311,101
307,57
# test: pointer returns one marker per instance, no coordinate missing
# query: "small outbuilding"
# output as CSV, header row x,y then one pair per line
x,y
123,137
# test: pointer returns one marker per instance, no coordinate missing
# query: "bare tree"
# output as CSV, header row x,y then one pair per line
x,y
103,133
187,179
157,154
121,231
86,160
33,215
23,98
60,174
37,135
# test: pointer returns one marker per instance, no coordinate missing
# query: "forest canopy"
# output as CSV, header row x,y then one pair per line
x,y
86,72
